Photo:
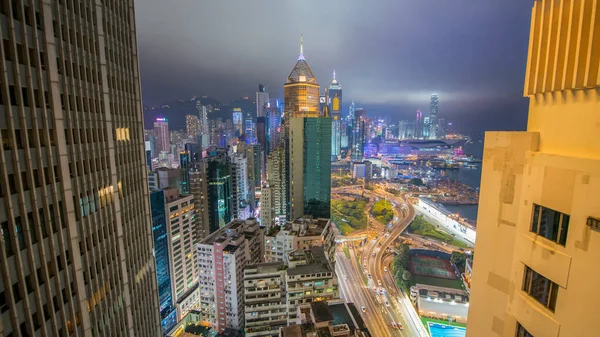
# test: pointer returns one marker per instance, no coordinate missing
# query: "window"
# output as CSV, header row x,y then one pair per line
x,y
540,288
521,332
551,224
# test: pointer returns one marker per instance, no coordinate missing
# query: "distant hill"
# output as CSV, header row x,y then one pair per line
x,y
175,111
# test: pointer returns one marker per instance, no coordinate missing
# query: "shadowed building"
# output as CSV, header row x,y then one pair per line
x,y
76,246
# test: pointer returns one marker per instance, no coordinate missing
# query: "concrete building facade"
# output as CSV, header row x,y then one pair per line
x,y
221,258
76,235
534,271
302,233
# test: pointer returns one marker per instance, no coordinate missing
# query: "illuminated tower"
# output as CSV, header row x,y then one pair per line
x,y
301,92
262,106
433,117
308,144
538,238
335,96
419,124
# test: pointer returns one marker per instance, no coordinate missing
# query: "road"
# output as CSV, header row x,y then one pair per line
x,y
379,315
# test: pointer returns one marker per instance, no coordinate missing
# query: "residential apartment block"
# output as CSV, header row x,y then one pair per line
x,y
221,258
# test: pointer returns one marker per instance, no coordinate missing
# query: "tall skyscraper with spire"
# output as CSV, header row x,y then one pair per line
x,y
308,144
433,117
301,92
335,97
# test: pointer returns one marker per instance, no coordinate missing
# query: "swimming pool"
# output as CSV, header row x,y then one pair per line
x,y
445,330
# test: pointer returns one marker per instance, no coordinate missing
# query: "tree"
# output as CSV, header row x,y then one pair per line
x,y
417,182
406,275
459,260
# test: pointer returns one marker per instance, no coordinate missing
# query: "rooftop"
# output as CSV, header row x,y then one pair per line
x,y
232,230
305,226
321,312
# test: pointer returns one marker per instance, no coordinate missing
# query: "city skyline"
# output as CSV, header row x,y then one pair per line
x,y
484,86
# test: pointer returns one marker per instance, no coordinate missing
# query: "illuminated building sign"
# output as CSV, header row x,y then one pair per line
x,y
161,119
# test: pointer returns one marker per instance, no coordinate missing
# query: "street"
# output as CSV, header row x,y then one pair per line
x,y
383,304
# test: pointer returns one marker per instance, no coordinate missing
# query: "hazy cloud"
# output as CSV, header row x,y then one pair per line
x,y
385,52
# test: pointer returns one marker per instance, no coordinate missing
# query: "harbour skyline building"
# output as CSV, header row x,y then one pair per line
x,y
335,109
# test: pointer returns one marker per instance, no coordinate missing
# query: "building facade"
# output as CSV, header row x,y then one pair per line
x,y
273,291
302,233
265,305
76,245
276,182
163,138
221,258
160,229
179,210
433,117
239,184
534,271
310,167
358,136
335,109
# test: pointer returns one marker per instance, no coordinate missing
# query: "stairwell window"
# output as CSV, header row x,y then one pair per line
x,y
540,288
551,224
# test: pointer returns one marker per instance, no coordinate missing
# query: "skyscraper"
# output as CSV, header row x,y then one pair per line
x,y
219,190
433,117
274,123
163,260
238,121
301,92
203,129
335,96
239,184
308,144
358,135
163,138
184,167
419,125
274,207
76,232
535,267
179,211
310,166
192,126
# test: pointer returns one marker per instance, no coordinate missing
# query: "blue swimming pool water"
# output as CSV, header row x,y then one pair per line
x,y
444,330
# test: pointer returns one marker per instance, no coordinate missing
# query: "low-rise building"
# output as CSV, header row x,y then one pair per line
x,y
309,278
273,290
302,234
333,318
265,299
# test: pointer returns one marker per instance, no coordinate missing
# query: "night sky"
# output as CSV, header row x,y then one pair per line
x,y
389,55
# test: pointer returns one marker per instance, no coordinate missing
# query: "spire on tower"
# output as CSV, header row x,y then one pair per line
x,y
301,57
334,74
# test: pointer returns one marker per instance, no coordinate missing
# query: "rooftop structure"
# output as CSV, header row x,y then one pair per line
x,y
299,234
326,319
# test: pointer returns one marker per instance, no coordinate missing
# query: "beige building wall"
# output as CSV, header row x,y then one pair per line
x,y
296,148
555,164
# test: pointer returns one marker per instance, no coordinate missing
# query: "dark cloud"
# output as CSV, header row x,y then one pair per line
x,y
390,55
